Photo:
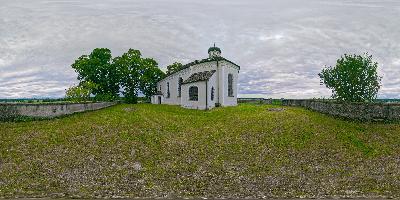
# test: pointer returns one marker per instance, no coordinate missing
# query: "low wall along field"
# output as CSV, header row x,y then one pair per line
x,y
9,111
255,100
358,111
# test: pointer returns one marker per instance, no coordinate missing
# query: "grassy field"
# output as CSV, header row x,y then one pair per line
x,y
165,151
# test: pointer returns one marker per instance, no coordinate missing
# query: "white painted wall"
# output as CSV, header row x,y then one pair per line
x,y
155,99
219,81
212,82
201,103
229,68
185,74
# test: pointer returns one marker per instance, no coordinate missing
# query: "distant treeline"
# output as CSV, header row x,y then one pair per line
x,y
54,100
32,100
144,99
279,100
387,100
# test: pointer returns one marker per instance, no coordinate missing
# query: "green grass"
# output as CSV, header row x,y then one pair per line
x,y
165,151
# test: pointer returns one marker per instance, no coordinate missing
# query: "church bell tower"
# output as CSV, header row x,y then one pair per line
x,y
214,52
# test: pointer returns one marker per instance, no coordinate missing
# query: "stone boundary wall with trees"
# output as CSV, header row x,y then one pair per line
x,y
357,111
255,100
10,111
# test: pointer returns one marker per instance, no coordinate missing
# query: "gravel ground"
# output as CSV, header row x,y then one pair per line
x,y
158,151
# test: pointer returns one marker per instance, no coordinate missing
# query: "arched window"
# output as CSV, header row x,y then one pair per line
x,y
168,93
180,86
212,93
230,85
193,93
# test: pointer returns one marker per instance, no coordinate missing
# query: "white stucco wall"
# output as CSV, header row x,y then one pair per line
x,y
229,68
155,99
219,81
185,74
212,82
201,103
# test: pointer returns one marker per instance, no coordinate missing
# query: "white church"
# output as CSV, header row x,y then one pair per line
x,y
201,84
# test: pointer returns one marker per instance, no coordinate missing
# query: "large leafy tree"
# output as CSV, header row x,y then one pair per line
x,y
129,65
97,68
174,67
137,74
129,72
150,75
353,79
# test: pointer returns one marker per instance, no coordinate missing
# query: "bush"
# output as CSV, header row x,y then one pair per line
x,y
105,97
353,79
81,92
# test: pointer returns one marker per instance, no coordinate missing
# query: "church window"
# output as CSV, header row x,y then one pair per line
x,y
168,93
193,93
230,85
212,93
180,86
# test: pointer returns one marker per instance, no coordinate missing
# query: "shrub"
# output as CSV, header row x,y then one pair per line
x,y
353,79
81,92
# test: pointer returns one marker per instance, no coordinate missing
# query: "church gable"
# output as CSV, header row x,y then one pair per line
x,y
199,76
201,84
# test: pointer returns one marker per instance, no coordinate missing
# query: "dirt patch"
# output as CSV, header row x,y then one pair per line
x,y
129,109
276,109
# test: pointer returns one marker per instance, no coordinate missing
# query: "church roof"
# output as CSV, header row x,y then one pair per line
x,y
214,48
219,58
199,76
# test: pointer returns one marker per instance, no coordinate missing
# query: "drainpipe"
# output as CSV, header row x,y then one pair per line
x,y
218,81
206,95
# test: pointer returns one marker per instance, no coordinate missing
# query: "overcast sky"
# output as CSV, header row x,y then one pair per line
x,y
281,45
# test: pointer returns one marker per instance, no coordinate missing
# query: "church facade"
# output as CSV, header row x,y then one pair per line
x,y
201,84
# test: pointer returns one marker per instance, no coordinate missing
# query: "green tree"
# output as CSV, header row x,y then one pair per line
x,y
129,66
353,79
81,92
137,74
97,67
150,75
174,67
129,72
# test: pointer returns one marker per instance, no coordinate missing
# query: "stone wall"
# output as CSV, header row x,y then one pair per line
x,y
47,110
255,100
358,111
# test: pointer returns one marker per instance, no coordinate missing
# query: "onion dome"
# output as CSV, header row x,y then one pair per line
x,y
214,52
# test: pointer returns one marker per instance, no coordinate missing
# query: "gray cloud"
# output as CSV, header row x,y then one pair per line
x,y
281,45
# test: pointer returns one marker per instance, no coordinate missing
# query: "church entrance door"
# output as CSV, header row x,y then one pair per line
x,y
159,99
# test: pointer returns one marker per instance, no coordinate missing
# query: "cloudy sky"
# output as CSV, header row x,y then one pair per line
x,y
281,45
